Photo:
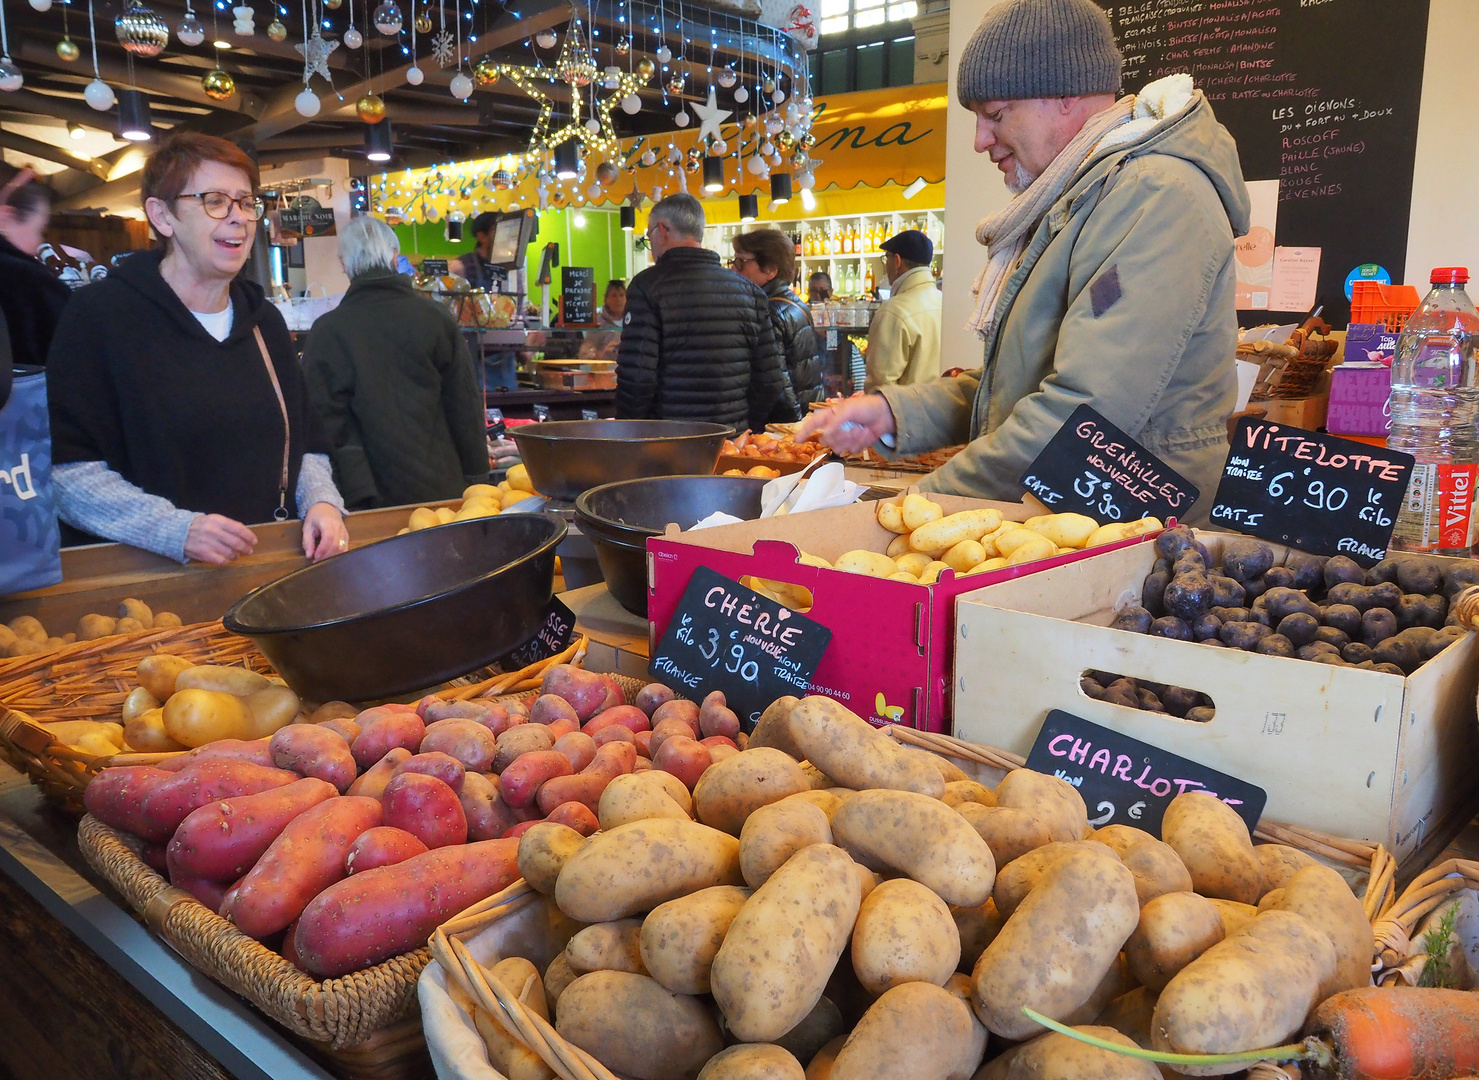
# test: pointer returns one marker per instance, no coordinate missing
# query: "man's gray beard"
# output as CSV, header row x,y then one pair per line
x,y
1020,180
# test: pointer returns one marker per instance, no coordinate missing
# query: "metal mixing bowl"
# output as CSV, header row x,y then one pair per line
x,y
566,457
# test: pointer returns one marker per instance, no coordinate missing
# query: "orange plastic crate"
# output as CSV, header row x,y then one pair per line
x,y
1373,302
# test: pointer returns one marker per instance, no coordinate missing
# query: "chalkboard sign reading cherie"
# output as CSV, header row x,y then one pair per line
x,y
1317,493
1124,781
724,636
1092,467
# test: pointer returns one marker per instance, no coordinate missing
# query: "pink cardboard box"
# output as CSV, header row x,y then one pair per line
x,y
892,644
1360,399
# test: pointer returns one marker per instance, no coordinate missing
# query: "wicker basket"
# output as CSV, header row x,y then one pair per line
x,y
1400,954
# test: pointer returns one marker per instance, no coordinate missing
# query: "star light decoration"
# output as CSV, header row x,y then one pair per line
x,y
315,53
710,117
603,138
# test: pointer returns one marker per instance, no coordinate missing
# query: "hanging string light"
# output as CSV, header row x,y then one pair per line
x,y
98,94
10,75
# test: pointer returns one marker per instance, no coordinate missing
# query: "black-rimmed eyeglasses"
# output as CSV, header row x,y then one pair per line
x,y
218,204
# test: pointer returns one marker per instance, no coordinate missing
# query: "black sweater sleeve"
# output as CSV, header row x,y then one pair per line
x,y
85,424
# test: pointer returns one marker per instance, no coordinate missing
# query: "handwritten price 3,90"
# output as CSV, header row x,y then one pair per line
x,y
1088,485
712,650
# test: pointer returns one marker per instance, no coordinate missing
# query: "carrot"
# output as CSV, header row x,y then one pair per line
x,y
1399,1033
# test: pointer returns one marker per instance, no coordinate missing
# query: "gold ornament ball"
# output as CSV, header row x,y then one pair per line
x,y
485,72
606,172
646,68
675,84
218,85
67,50
751,120
768,86
623,45
808,140
333,5
371,108
799,160
786,141
276,30
423,23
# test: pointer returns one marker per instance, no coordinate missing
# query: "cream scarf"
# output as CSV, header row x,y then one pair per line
x,y
1005,233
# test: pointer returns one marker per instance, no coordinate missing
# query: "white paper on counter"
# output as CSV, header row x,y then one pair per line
x,y
718,517
825,488
1247,380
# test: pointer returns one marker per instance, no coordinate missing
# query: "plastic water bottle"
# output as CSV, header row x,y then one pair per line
x,y
1435,418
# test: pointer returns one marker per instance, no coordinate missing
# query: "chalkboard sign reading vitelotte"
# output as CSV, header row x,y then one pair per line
x,y
578,295
1092,467
724,636
1124,781
1321,95
554,635
1317,493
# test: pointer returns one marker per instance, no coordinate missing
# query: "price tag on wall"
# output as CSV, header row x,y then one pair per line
x,y
724,636
1124,781
1318,493
1092,467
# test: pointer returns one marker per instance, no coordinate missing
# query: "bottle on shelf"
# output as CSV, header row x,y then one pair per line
x,y
868,282
1435,418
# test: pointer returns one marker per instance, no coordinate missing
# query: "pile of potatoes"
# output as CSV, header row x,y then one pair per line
x,y
832,904
179,705
928,541
26,634
478,500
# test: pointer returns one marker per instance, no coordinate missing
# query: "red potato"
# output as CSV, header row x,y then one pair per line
x,y
290,948
559,728
333,710
488,816
644,764
314,750
372,781
652,695
614,733
677,709
444,767
375,915
521,781
344,726
156,857
579,747
228,898
116,796
643,739
667,729
173,764
208,892
521,828
524,739
302,862
426,808
611,761
548,708
576,815
721,753
628,716
383,845
256,751
715,717
683,757
385,733
466,740
222,840
170,802
586,691
492,715
615,695
718,740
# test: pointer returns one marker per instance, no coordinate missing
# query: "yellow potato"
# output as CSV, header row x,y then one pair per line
x,y
637,866
891,517
680,939
773,833
946,532
987,566
72,732
608,946
1174,929
7,639
633,797
228,680
138,702
445,515
556,978
476,508
196,717
1213,842
122,626
977,928
145,734
509,1056
931,573
1010,540
1020,876
1119,838
165,619
964,556
486,491
1280,863
1009,833
272,707
30,628
1322,896
898,546
157,673
917,511
733,789
96,744
912,1032
1031,551
906,578
1057,1057
1157,869
1234,915
870,563
855,753
913,562
637,1028
1064,530
1122,530
963,791
904,933
137,610
422,518
753,1061
544,850
813,560
517,495
92,627
1054,802
921,837
518,478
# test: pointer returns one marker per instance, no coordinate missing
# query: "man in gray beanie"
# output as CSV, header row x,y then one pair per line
x,y
1110,276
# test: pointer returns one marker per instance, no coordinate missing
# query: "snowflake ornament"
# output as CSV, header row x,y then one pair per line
x,y
443,48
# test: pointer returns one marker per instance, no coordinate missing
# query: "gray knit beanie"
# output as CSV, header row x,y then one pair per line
x,y
1039,49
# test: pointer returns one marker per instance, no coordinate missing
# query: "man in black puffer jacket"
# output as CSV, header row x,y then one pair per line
x,y
697,341
767,257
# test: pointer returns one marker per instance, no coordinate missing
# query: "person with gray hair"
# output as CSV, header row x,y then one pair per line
x,y
697,341
391,378
1109,278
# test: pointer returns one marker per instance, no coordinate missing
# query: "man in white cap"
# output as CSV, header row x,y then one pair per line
x,y
1110,279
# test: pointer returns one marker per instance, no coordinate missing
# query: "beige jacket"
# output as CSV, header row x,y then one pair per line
x,y
904,337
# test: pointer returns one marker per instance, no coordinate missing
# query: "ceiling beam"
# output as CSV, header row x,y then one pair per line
x,y
151,77
63,108
50,152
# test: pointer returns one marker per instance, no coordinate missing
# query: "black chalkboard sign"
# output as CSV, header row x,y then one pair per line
x,y
1092,467
1321,95
1318,493
1124,781
724,636
578,295
554,636
434,267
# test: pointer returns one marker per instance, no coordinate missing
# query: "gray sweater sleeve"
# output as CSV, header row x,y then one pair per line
x,y
316,484
94,498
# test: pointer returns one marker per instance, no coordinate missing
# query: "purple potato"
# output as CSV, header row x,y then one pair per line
x,y
1275,645
1169,626
1245,560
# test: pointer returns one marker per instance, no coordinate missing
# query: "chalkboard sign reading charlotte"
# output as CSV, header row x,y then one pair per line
x,y
1317,493
1092,467
724,636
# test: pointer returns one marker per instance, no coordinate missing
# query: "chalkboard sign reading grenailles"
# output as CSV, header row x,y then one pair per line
x,y
724,636
1317,493
1092,467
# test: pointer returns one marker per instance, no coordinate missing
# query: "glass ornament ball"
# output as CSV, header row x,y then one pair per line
x,y
805,180
767,148
681,119
778,96
727,77
10,75
664,54
307,103
768,86
623,45
741,95
190,32
648,159
607,172
387,18
675,155
99,95
415,76
546,39
646,68
631,104
371,108
41,5
277,31
422,23
353,39
719,147
593,126
218,85
461,86
757,166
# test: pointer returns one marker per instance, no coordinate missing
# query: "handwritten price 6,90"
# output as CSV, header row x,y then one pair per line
x,y
1316,495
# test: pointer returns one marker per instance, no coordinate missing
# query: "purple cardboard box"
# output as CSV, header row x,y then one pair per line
x,y
1370,341
1360,399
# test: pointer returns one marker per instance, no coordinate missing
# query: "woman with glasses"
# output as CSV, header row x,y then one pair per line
x,y
178,410
767,257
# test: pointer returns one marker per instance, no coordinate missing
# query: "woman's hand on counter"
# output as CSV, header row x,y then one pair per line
x,y
850,426
324,533
216,539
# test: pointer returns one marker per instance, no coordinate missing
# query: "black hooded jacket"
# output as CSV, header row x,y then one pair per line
x,y
31,299
135,381
800,345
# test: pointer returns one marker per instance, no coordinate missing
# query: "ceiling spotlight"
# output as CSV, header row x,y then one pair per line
x,y
780,187
221,43
713,173
628,218
379,144
76,130
567,160
133,116
749,206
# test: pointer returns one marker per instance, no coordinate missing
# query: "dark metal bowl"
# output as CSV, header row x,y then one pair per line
x,y
620,517
408,612
566,457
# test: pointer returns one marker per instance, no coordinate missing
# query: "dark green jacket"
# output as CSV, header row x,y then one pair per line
x,y
390,375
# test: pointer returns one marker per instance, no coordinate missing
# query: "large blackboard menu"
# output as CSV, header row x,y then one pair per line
x,y
1321,95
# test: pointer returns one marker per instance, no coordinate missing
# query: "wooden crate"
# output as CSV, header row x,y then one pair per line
x,y
1347,751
